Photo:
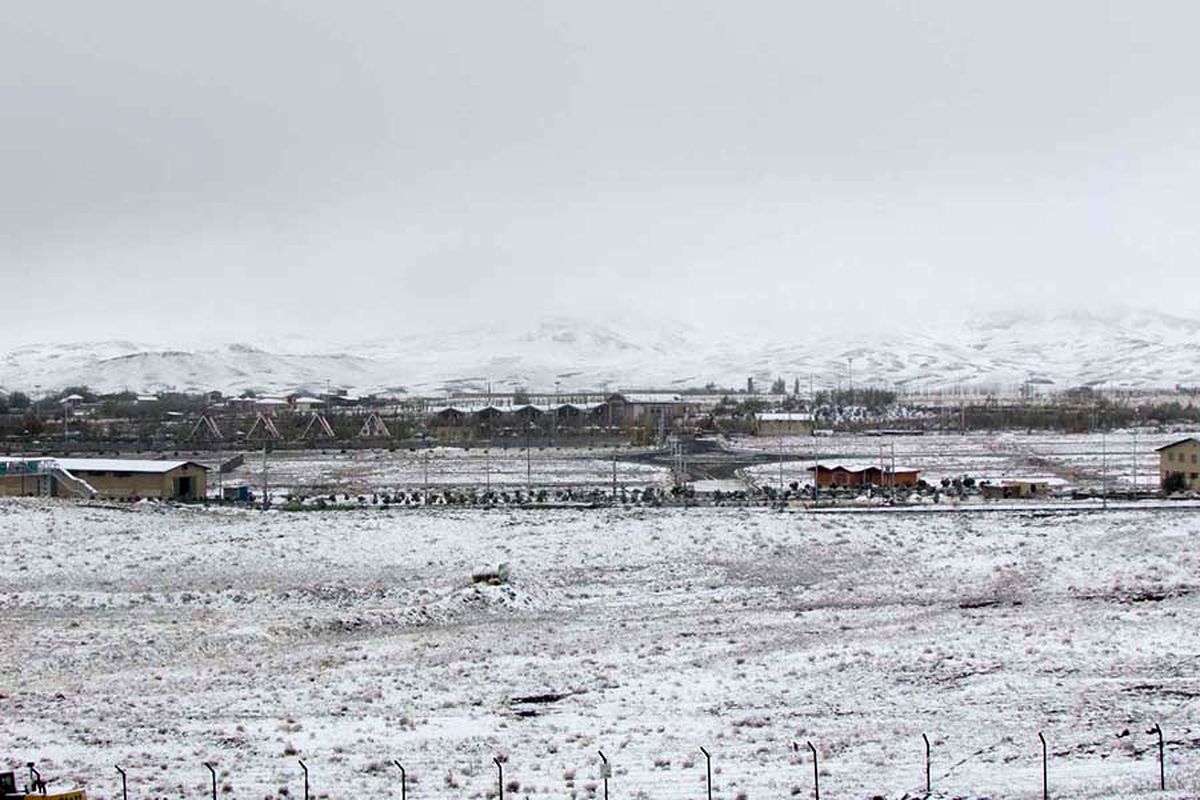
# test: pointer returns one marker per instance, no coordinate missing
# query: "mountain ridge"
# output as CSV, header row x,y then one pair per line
x,y
1132,349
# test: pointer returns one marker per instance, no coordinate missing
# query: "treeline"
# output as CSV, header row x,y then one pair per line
x,y
1068,418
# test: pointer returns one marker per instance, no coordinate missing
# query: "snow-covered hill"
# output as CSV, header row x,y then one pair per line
x,y
1129,349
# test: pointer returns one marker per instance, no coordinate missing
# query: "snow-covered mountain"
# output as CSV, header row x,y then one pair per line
x,y
1128,349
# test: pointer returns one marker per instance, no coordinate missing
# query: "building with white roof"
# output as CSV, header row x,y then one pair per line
x,y
112,478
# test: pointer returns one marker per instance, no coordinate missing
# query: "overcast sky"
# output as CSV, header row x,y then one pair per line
x,y
361,168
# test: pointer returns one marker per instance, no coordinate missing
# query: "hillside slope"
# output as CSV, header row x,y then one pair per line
x,y
1132,349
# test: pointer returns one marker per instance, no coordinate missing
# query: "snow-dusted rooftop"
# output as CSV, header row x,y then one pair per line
x,y
863,466
648,398
121,465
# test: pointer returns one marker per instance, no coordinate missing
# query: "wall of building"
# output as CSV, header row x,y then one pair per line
x,y
1183,457
873,476
145,485
23,485
770,427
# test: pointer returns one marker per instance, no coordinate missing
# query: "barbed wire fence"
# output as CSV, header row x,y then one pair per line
x,y
737,772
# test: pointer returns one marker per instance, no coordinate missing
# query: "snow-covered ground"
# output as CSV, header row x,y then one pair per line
x,y
307,472
1080,460
1071,460
158,639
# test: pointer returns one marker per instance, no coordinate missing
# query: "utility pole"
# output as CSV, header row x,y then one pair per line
x,y
266,497
614,476
893,472
882,469
1135,460
781,467
554,433
1104,467
816,474
850,378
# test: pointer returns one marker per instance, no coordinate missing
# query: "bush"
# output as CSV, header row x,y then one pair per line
x,y
1175,482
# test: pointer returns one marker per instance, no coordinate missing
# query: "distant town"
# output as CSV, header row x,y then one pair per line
x,y
128,445
79,419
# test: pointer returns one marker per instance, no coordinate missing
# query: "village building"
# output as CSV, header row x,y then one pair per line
x,y
110,478
137,479
577,416
269,405
25,477
863,475
1019,488
307,404
627,410
783,423
1181,458
451,424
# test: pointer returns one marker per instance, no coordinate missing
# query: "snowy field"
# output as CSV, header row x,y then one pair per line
x,y
308,471
158,639
1079,460
1071,460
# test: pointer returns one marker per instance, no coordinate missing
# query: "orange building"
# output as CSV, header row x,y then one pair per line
x,y
839,475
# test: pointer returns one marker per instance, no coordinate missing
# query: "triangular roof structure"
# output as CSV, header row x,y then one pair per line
x,y
1176,444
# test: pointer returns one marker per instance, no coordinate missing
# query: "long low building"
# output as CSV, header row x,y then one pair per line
x,y
110,478
783,423
851,475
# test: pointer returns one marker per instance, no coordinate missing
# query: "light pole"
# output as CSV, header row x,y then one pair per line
x,y
528,459
850,378
781,465
554,432
1104,467
1135,464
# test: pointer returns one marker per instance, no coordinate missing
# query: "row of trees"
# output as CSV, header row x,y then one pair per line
x,y
1073,419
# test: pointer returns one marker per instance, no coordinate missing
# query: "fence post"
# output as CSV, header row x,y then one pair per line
x,y
816,776
124,787
36,783
605,772
304,767
928,782
1162,764
500,767
816,773
403,781
214,779
1045,770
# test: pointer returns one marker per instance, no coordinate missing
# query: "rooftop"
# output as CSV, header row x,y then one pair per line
x,y
1176,444
863,466
121,465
